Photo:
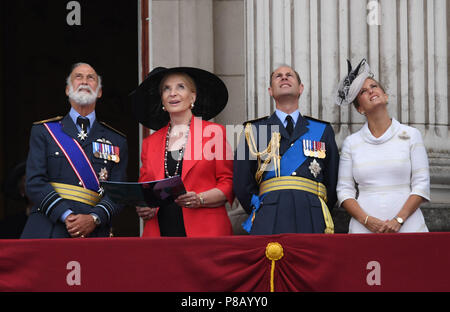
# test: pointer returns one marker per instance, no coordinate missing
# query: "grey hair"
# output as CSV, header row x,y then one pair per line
x,y
79,64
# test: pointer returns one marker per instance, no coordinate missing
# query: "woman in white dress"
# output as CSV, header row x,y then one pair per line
x,y
383,169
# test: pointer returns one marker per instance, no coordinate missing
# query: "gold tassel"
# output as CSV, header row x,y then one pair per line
x,y
274,252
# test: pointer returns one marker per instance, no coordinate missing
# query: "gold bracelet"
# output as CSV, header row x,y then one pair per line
x,y
202,200
365,221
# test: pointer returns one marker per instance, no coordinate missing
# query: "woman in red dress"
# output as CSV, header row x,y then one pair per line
x,y
177,102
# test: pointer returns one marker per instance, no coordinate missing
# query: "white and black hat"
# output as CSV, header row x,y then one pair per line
x,y
350,85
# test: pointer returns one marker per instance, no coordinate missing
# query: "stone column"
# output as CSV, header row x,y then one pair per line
x,y
182,33
405,43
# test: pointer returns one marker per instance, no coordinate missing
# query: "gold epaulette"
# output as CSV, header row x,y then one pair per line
x,y
111,128
255,120
58,118
315,119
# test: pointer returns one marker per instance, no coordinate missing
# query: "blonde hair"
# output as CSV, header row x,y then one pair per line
x,y
190,83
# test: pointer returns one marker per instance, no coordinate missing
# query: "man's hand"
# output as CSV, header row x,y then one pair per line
x,y
80,225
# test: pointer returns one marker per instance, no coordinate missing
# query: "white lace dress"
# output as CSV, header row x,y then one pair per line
x,y
384,172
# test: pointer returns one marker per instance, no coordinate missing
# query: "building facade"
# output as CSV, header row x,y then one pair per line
x,y
405,42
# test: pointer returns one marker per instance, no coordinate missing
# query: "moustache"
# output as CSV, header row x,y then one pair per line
x,y
84,87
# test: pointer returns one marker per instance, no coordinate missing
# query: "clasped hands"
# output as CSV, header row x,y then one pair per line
x,y
79,225
376,225
189,200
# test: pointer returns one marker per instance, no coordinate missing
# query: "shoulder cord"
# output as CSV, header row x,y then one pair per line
x,y
272,151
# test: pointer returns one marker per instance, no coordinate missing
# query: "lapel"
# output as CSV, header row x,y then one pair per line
x,y
192,154
194,148
156,153
300,128
69,127
96,132
275,121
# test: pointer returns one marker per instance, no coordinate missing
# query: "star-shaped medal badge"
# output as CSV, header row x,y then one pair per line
x,y
103,174
315,169
82,135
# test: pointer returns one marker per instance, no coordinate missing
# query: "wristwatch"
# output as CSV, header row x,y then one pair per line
x,y
399,220
96,219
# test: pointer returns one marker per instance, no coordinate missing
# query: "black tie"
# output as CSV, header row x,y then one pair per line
x,y
83,123
290,125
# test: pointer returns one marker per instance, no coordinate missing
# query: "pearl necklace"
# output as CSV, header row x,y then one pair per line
x,y
180,154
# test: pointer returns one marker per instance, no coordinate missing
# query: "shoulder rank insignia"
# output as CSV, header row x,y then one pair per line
x,y
58,118
255,120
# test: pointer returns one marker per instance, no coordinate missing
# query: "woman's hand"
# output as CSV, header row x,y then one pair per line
x,y
189,200
392,226
376,225
146,212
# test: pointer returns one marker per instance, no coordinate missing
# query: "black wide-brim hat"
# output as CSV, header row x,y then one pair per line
x,y
211,96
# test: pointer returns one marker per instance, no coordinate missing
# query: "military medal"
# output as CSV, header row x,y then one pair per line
x,y
316,152
322,150
82,135
105,150
84,124
314,168
305,148
103,174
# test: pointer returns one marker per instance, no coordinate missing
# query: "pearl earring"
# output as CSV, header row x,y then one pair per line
x,y
192,105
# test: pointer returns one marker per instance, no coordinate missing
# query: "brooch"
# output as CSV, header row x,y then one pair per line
x,y
404,135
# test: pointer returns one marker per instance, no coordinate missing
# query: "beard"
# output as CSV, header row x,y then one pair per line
x,y
81,97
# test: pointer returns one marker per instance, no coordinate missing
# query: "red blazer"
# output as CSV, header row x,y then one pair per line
x,y
207,163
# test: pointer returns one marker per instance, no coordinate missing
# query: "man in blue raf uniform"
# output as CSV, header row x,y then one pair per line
x,y
68,158
286,166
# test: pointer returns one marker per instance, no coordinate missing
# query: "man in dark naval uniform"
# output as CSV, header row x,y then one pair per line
x,y
68,158
286,166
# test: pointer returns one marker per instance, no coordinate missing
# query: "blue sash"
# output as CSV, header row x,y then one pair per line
x,y
290,161
75,155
